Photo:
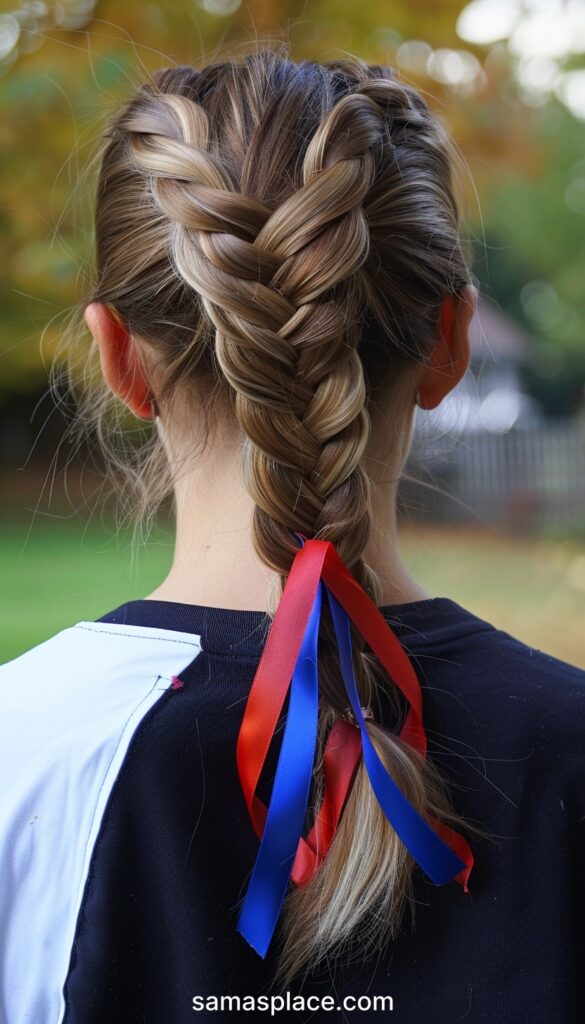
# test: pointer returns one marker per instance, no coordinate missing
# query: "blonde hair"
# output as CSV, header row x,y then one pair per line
x,y
280,236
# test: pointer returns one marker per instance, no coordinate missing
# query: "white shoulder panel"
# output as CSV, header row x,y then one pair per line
x,y
68,710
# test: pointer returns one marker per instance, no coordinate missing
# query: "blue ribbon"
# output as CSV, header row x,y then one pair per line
x,y
437,860
290,792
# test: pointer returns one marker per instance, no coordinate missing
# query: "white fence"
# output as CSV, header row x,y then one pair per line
x,y
521,478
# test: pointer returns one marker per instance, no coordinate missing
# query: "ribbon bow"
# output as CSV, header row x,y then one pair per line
x,y
290,652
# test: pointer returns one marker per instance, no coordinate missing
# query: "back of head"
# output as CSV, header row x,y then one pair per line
x,y
280,235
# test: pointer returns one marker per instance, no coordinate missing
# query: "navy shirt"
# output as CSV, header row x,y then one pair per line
x,y
168,866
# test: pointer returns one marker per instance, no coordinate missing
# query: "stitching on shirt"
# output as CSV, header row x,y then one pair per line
x,y
111,761
139,636
219,653
252,655
169,679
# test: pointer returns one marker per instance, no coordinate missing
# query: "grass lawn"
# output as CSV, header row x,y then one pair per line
x,y
63,572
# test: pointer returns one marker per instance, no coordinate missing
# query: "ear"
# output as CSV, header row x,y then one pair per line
x,y
119,359
450,357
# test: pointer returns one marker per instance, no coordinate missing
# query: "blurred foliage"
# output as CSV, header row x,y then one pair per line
x,y
82,60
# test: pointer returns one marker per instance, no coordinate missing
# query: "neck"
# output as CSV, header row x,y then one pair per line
x,y
214,561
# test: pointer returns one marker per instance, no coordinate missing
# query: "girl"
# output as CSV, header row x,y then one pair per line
x,y
289,780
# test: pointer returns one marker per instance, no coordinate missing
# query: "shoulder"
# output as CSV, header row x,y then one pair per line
x,y
69,709
506,723
74,701
526,697
97,648
88,673
504,697
551,696
529,673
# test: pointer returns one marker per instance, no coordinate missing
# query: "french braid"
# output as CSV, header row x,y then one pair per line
x,y
281,268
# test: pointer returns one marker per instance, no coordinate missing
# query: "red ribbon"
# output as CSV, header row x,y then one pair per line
x,y
314,561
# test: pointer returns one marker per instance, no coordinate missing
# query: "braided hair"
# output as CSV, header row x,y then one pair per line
x,y
280,236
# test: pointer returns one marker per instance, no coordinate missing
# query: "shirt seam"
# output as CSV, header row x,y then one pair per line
x,y
139,636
